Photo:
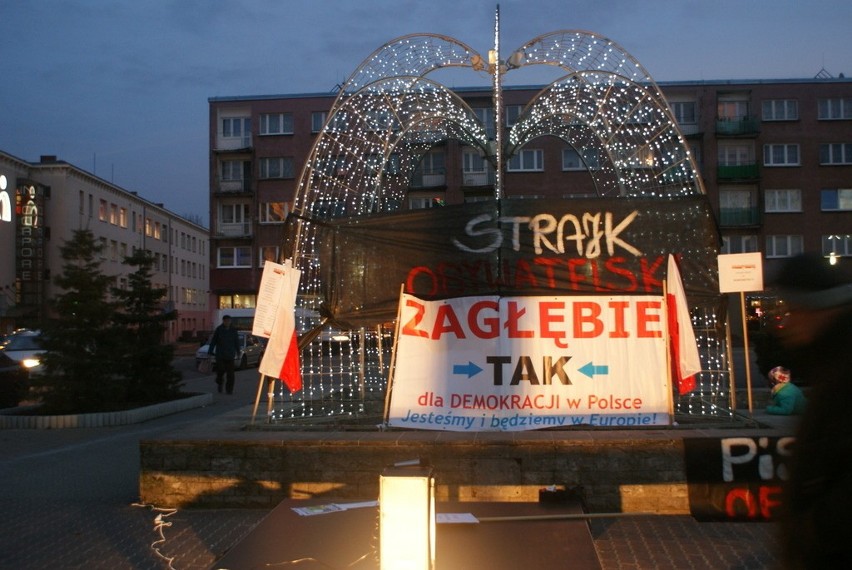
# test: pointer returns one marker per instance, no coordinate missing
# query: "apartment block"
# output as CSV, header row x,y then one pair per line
x,y
43,203
775,157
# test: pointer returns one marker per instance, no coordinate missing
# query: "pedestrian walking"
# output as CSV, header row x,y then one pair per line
x,y
225,345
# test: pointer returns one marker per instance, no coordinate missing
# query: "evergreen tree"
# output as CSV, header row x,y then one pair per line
x,y
79,336
146,361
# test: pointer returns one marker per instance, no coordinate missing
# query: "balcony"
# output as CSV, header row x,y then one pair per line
x,y
738,127
478,178
224,143
431,180
690,129
233,230
738,172
739,217
241,186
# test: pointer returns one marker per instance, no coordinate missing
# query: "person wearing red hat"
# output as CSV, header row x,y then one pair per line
x,y
785,398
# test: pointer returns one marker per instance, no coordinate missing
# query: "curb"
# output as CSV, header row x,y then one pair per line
x,y
10,420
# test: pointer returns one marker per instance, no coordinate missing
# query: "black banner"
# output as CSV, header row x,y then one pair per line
x,y
513,247
736,478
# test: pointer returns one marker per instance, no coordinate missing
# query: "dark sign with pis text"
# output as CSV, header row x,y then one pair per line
x,y
736,478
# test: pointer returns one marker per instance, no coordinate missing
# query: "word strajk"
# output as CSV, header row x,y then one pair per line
x,y
586,232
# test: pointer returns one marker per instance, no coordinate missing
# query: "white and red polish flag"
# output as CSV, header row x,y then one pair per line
x,y
686,362
281,358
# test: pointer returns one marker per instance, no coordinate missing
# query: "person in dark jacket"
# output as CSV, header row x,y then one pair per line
x,y
785,398
816,520
225,345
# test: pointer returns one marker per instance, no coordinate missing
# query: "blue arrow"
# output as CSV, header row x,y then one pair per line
x,y
591,369
470,369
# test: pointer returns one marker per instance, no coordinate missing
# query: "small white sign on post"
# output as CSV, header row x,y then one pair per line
x,y
740,272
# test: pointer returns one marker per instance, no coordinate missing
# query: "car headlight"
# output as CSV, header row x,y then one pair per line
x,y
30,362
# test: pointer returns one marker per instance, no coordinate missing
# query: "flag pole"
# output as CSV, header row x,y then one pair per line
x,y
257,398
745,348
669,380
392,365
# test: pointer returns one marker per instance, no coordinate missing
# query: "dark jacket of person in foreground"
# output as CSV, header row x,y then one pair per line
x,y
816,523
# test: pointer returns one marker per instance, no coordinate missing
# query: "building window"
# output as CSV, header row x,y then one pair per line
x,y
317,121
122,217
273,212
234,213
236,127
835,199
837,245
232,170
739,244
835,153
512,114
425,202
835,109
527,160
376,164
267,253
102,211
432,163
280,167
732,110
736,154
684,112
781,155
234,256
738,206
486,118
276,124
783,245
787,200
780,110
571,159
472,163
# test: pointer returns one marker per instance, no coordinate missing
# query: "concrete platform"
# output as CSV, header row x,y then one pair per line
x,y
226,464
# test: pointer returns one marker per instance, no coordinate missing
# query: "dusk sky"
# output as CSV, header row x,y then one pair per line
x,y
120,88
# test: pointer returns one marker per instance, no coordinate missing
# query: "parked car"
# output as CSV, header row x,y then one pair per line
x,y
13,381
250,354
24,347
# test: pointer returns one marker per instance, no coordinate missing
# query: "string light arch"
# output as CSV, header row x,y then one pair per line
x,y
388,114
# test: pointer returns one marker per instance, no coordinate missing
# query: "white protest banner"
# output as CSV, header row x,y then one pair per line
x,y
281,357
269,297
517,363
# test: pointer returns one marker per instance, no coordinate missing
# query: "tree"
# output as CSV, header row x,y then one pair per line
x,y
81,367
147,362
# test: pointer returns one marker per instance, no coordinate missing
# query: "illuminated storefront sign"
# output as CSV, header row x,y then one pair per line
x,y
5,201
30,242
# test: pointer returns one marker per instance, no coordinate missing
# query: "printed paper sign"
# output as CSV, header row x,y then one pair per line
x,y
740,272
517,363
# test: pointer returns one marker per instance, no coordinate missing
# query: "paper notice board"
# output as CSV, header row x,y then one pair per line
x,y
740,272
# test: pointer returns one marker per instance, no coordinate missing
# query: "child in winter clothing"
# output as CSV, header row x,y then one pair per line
x,y
786,398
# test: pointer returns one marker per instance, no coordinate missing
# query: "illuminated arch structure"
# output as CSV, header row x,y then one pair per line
x,y
389,113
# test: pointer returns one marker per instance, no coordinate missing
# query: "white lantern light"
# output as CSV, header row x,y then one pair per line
x,y
407,518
